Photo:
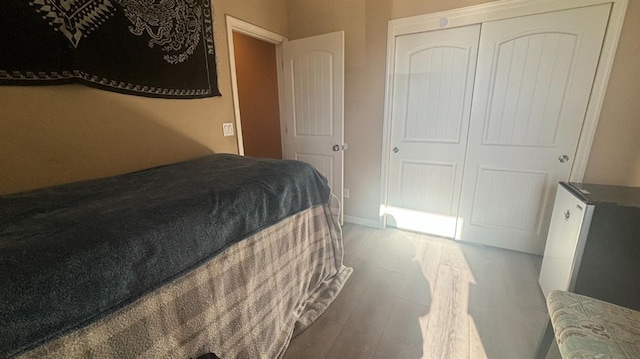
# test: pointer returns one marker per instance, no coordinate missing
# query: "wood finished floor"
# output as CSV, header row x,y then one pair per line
x,y
417,296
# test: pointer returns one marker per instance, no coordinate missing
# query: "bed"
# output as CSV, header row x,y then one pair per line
x,y
223,254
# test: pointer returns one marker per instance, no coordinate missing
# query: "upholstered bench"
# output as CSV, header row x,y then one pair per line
x,y
589,328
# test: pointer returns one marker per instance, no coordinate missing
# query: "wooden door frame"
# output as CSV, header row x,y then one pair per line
x,y
500,10
245,28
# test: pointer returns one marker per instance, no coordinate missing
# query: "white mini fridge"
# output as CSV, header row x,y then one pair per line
x,y
593,246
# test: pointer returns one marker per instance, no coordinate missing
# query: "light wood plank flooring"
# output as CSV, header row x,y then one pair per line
x,y
417,296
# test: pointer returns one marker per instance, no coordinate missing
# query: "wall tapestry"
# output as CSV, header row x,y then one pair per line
x,y
154,48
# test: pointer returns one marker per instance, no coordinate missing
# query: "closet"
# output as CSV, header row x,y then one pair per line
x,y
485,120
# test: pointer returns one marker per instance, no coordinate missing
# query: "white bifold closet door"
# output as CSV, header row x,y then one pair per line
x,y
532,88
480,143
433,83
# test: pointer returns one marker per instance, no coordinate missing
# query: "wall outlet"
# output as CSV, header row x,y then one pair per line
x,y
227,129
346,193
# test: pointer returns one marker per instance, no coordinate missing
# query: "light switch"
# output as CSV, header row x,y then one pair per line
x,y
227,129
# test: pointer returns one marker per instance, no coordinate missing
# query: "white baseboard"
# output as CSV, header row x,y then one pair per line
x,y
362,221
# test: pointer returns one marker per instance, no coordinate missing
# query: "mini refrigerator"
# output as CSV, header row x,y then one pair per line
x,y
593,246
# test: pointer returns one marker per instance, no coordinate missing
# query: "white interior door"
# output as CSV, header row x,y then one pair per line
x,y
532,88
433,83
314,90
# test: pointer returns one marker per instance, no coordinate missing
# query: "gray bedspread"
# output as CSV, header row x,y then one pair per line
x,y
72,254
247,302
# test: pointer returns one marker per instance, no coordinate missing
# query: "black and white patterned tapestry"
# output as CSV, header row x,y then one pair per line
x,y
154,48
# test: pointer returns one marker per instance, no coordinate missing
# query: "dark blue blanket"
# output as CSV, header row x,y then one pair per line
x,y
74,253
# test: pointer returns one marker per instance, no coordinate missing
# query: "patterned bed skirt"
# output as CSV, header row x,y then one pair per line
x,y
244,303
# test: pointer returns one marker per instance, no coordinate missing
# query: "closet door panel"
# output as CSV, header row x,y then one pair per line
x,y
433,83
528,90
532,88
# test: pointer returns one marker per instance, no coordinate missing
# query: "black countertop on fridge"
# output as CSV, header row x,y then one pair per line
x,y
595,194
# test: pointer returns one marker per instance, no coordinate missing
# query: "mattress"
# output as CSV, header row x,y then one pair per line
x,y
247,302
71,255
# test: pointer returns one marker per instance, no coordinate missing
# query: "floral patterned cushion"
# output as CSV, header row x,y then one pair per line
x,y
590,328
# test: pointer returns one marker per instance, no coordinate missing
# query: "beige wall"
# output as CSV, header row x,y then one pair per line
x,y
52,135
615,156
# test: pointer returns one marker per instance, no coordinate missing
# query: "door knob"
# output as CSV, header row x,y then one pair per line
x,y
396,150
563,159
336,148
